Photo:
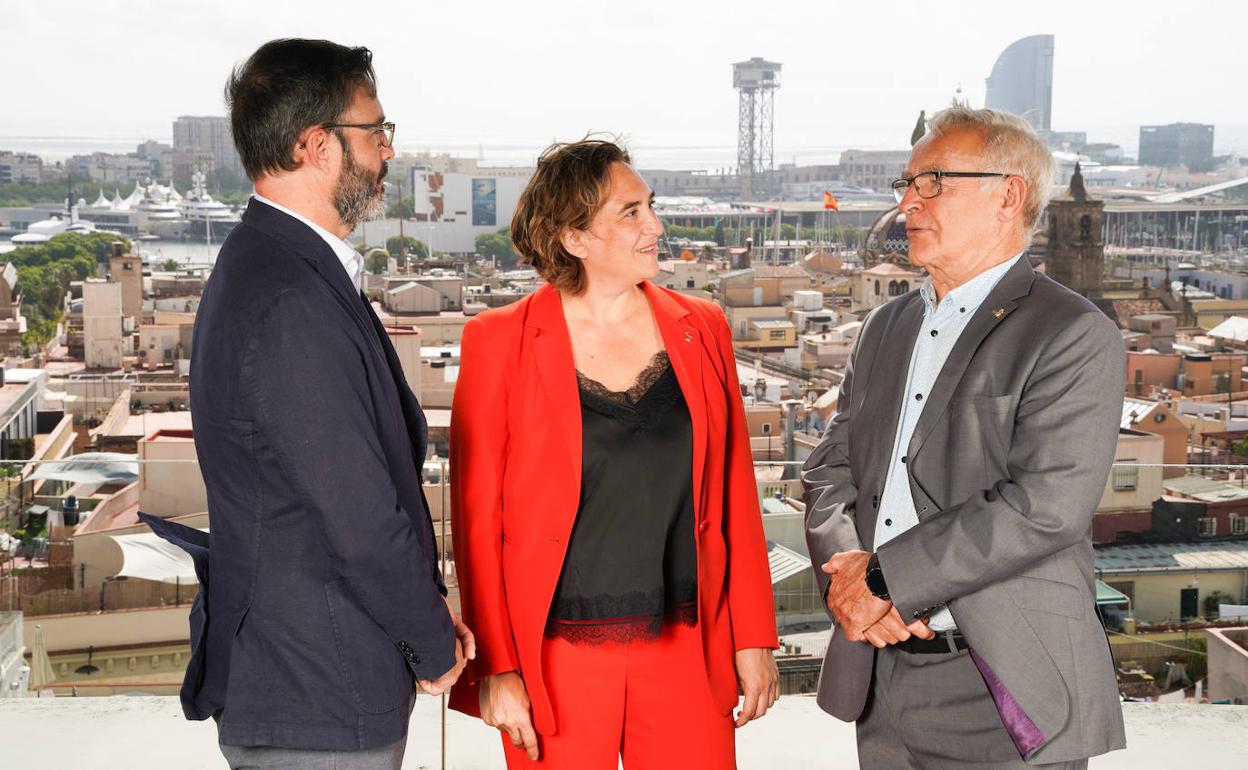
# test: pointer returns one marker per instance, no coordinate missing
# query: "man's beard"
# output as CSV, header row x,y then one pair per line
x,y
359,195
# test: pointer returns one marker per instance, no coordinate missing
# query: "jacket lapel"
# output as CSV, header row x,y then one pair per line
x,y
881,395
684,344
995,308
556,370
413,415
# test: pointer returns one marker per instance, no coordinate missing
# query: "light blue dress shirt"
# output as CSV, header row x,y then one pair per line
x,y
943,324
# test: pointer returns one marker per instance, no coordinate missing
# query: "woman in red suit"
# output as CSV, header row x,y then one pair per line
x,y
607,534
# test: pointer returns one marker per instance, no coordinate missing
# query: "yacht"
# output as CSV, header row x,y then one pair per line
x,y
205,217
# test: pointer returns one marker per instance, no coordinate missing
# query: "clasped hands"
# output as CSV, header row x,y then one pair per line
x,y
860,614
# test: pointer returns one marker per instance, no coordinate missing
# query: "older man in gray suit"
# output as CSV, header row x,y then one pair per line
x,y
949,504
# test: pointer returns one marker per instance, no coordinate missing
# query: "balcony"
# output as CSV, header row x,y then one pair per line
x,y
132,631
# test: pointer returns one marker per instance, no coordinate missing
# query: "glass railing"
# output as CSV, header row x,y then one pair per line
x,y
110,622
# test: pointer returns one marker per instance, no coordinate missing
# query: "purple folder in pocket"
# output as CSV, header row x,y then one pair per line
x,y
1026,736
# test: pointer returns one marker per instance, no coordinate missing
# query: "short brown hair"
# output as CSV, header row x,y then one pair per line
x,y
567,190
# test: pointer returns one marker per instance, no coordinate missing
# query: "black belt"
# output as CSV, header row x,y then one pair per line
x,y
943,644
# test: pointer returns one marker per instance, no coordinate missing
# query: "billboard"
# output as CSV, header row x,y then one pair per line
x,y
485,202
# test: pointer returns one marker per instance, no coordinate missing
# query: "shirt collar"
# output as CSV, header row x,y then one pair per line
x,y
351,260
971,294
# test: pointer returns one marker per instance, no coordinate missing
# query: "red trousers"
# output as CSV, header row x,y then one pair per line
x,y
645,701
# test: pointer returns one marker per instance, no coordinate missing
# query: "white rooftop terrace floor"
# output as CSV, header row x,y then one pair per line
x,y
149,733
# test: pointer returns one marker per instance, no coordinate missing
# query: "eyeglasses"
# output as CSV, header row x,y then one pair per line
x,y
928,185
387,129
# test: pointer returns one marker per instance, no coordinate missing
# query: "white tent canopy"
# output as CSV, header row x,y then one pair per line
x,y
146,556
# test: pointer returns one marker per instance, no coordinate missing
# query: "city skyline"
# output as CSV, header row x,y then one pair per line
x,y
853,77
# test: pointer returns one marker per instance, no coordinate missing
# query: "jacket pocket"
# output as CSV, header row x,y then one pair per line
x,y
1050,596
375,671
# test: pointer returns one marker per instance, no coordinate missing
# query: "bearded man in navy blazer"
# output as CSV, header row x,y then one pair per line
x,y
325,609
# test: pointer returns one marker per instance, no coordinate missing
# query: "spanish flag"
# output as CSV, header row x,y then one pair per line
x,y
829,201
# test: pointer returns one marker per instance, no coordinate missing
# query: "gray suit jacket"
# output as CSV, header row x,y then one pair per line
x,y
1007,464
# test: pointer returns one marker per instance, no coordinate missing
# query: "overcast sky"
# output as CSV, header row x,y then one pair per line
x,y
521,73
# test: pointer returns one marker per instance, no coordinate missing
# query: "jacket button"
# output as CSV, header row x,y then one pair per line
x,y
903,459
701,526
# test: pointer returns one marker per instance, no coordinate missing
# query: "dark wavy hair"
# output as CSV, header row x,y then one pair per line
x,y
567,190
286,86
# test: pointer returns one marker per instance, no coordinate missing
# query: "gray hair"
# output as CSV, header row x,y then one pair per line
x,y
1010,146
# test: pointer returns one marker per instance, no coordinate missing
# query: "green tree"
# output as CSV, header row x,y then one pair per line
x,y
497,246
376,261
26,193
402,209
718,234
169,265
45,271
415,248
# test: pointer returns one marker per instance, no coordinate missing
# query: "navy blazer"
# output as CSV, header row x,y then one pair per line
x,y
325,601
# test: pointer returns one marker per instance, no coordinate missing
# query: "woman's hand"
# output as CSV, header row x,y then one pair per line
x,y
505,705
760,681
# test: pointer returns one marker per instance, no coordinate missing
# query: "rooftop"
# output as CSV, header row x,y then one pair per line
x,y
150,733
785,562
1134,409
1205,489
1234,328
12,392
768,323
147,423
780,271
888,268
1172,557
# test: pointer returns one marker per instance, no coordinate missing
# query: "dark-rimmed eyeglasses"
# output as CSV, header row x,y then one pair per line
x,y
928,185
385,129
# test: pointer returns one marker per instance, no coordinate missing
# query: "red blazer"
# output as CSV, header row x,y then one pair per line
x,y
516,477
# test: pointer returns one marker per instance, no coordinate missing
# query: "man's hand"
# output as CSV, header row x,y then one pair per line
x,y
444,682
505,704
465,650
463,633
760,681
855,608
860,614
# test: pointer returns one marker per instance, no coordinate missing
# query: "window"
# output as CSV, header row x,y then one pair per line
x,y
877,288
689,284
1126,478
1239,524
1207,527
776,334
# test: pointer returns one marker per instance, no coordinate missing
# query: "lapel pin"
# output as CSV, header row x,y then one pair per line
x,y
688,336
999,312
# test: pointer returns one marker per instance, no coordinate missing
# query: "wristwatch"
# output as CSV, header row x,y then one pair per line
x,y
875,578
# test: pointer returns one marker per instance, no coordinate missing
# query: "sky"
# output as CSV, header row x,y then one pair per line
x,y
513,76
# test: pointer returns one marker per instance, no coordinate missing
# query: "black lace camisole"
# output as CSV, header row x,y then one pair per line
x,y
631,564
